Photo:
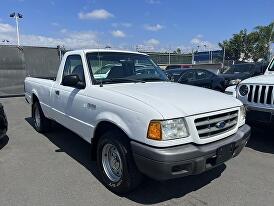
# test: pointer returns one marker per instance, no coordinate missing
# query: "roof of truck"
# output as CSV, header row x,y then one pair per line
x,y
106,50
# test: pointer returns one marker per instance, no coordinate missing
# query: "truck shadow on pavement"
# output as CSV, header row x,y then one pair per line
x,y
153,192
71,144
150,191
262,139
4,141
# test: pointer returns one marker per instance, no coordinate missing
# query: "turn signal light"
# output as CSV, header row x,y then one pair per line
x,y
154,130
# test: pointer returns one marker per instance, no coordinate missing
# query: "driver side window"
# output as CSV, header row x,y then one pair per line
x,y
202,75
74,66
189,76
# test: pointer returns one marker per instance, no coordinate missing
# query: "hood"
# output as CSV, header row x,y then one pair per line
x,y
263,79
176,100
235,76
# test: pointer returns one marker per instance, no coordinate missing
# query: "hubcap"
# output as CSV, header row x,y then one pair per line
x,y
37,117
112,163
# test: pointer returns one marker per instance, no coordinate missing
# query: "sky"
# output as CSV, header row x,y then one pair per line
x,y
158,25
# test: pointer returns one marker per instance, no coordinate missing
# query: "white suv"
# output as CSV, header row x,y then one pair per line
x,y
257,94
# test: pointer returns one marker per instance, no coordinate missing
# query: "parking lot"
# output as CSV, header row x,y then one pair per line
x,y
56,169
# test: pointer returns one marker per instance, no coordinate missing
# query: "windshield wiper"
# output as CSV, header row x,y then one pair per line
x,y
153,79
121,80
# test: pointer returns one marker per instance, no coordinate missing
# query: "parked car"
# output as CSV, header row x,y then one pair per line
x,y
197,77
3,122
257,94
133,128
238,72
177,66
231,90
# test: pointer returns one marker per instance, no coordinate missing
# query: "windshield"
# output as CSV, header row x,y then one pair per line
x,y
174,75
244,68
271,67
115,67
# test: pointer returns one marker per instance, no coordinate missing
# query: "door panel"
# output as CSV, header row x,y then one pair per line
x,y
70,104
203,79
188,78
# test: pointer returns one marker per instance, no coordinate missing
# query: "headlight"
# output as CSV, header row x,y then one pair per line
x,y
234,81
243,90
167,129
242,116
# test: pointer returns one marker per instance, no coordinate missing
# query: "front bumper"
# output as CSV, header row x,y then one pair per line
x,y
263,115
183,160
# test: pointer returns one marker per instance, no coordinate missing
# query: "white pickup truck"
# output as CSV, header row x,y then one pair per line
x,y
257,94
137,122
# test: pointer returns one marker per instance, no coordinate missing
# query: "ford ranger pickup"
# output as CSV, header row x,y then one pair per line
x,y
137,122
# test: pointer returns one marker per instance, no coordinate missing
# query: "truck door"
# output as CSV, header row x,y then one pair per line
x,y
70,102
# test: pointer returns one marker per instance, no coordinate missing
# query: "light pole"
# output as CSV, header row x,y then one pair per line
x,y
17,16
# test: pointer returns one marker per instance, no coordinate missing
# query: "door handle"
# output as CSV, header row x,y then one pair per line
x,y
57,92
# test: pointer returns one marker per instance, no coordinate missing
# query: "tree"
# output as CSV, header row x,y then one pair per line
x,y
234,47
178,51
265,38
249,46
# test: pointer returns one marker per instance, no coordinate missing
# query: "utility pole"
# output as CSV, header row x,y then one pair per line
x,y
169,54
17,16
224,57
269,42
192,59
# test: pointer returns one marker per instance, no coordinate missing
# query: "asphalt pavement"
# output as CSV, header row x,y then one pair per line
x,y
56,169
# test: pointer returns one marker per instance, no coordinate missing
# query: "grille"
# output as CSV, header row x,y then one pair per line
x,y
261,94
210,126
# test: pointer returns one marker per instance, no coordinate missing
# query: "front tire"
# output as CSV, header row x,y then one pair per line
x,y
41,123
116,164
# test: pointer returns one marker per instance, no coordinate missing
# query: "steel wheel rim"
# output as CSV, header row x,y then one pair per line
x,y
37,117
112,163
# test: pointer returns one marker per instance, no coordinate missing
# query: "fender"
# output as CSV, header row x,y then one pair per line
x,y
45,108
34,92
114,119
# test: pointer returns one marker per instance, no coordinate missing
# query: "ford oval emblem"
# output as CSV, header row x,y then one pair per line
x,y
220,125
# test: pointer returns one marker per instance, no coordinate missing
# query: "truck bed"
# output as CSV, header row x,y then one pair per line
x,y
41,87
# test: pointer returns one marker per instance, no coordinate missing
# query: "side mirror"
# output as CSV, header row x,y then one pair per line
x,y
73,80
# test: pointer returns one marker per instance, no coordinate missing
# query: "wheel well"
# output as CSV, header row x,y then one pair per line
x,y
101,128
34,100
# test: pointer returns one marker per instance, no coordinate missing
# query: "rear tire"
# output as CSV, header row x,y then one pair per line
x,y
41,123
116,164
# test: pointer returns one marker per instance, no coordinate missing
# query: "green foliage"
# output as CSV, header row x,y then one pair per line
x,y
254,45
178,51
